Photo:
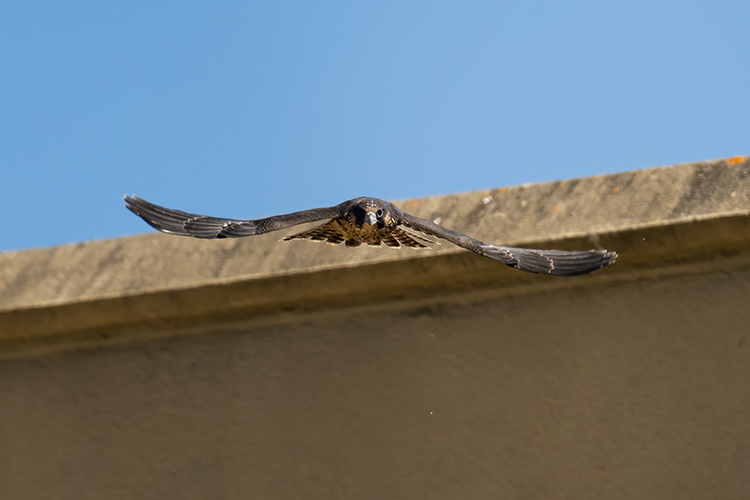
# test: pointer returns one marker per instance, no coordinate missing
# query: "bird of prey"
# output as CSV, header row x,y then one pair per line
x,y
371,221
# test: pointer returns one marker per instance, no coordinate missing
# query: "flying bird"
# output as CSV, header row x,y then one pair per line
x,y
371,221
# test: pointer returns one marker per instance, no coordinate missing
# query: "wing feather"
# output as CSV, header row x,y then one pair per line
x,y
330,232
410,239
554,262
181,223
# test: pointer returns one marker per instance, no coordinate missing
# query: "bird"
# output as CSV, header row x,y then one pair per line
x,y
371,221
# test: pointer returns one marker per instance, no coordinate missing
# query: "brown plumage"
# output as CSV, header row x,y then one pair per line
x,y
371,221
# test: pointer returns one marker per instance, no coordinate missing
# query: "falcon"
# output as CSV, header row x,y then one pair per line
x,y
371,221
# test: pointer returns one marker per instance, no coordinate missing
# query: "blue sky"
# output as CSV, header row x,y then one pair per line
x,y
248,109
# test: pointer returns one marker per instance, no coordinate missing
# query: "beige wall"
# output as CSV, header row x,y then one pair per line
x,y
440,376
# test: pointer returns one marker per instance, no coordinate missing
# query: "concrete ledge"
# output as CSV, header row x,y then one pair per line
x,y
658,220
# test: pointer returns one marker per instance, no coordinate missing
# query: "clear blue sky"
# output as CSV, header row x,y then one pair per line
x,y
246,109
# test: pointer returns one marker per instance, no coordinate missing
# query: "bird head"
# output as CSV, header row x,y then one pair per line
x,y
370,211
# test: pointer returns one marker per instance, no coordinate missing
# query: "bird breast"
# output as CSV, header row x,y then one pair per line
x,y
372,235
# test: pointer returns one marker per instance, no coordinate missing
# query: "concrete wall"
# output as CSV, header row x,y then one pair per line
x,y
164,367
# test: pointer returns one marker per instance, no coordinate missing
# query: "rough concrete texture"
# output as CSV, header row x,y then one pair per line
x,y
258,369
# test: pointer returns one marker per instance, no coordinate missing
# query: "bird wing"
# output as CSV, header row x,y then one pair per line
x,y
330,232
554,262
181,223
410,239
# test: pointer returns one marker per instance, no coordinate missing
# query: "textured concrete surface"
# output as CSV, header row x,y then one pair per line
x,y
162,367
621,391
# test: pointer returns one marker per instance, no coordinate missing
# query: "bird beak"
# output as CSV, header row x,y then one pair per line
x,y
371,218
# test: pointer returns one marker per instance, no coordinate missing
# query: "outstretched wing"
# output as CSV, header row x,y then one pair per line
x,y
199,226
555,262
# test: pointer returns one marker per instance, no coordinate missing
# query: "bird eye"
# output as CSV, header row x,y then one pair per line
x,y
379,213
